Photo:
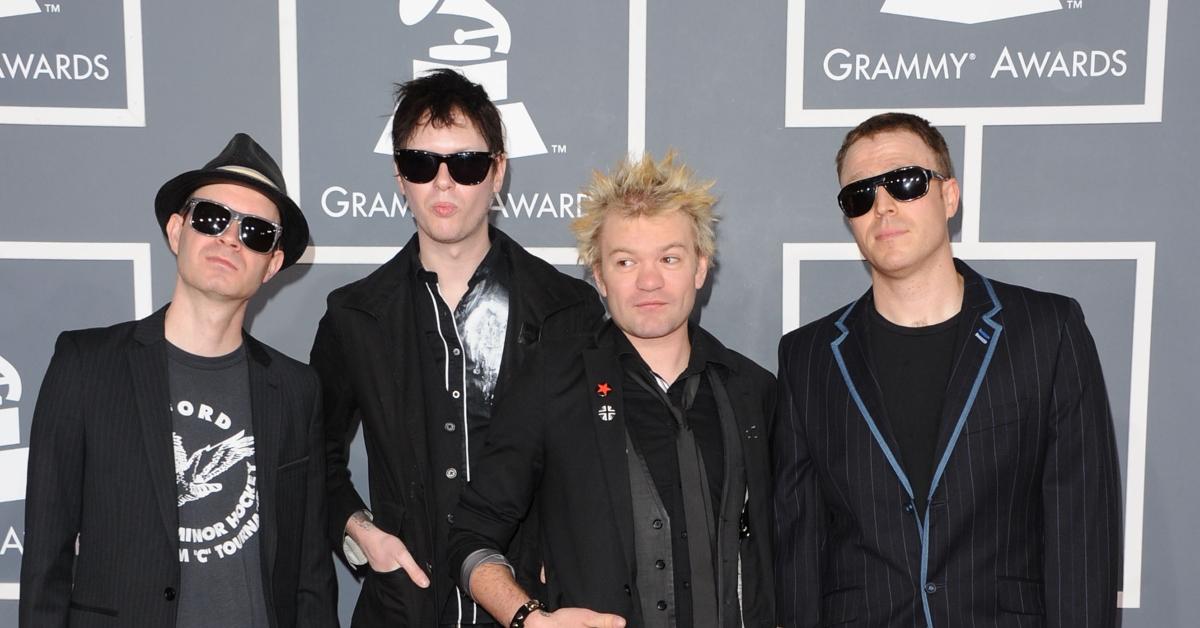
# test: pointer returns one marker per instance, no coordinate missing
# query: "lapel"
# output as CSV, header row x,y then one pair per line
x,y
148,365
602,367
977,344
851,357
267,419
978,337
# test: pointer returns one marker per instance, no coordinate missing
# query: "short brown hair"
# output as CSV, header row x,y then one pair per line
x,y
645,188
436,99
896,121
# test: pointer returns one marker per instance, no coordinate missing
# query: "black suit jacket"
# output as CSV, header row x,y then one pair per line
x,y
101,467
551,442
367,356
1023,524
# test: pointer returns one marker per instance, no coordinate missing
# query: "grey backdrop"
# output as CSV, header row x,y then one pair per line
x,y
1077,173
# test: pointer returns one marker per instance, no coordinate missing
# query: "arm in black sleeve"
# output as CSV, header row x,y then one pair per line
x,y
317,595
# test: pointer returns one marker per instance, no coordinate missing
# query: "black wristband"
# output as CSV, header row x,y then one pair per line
x,y
518,620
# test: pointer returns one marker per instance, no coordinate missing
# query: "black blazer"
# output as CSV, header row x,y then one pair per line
x,y
551,445
367,356
101,467
1023,523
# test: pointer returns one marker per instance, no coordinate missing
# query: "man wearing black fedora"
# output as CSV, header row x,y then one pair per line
x,y
176,466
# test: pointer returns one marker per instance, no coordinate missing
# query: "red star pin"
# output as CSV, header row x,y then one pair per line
x,y
603,389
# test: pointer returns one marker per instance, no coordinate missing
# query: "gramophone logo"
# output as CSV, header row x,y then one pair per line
x,y
9,8
969,11
475,61
13,460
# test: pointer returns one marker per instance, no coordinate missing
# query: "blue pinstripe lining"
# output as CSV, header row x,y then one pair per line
x,y
922,525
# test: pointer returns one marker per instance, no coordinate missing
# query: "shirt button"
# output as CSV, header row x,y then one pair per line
x,y
456,351
930,587
908,507
656,524
683,535
449,426
628,591
660,564
455,394
662,605
169,594
451,473
450,518
687,585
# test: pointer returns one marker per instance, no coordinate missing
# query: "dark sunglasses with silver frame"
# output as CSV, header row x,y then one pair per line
x,y
212,218
907,183
421,166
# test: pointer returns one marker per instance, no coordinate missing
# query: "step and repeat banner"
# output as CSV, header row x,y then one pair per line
x,y
1071,124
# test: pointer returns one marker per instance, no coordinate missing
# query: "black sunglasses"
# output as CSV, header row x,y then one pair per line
x,y
421,166
908,183
212,219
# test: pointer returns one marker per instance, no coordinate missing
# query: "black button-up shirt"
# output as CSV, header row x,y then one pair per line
x,y
461,352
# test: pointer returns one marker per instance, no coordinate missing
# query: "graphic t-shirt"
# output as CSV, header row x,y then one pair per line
x,y
216,483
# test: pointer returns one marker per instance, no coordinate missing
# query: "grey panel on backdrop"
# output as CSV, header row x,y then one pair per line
x,y
73,57
572,91
859,57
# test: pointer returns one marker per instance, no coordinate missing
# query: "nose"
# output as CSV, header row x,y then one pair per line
x,y
230,235
443,180
649,277
884,203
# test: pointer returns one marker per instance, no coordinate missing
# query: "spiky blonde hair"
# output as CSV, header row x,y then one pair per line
x,y
645,188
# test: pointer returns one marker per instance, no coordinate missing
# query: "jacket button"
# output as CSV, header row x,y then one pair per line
x,y
450,518
451,473
908,507
628,591
169,594
662,605
660,564
930,587
449,426
656,524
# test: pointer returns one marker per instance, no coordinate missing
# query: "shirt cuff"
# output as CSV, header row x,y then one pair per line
x,y
482,557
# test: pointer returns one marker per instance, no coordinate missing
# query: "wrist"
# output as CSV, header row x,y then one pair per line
x,y
530,610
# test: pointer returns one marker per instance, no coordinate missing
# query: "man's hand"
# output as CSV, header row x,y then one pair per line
x,y
573,618
384,552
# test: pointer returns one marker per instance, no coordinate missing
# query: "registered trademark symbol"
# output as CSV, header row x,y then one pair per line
x,y
971,56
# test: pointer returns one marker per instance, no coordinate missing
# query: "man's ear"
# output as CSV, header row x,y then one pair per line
x,y
274,265
701,271
174,227
498,173
599,281
951,195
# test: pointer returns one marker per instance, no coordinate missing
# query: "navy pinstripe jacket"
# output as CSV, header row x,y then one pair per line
x,y
1023,523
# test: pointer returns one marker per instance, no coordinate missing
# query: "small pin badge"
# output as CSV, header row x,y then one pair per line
x,y
603,389
607,413
982,336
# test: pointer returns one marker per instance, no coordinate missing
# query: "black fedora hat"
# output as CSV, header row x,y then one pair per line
x,y
243,162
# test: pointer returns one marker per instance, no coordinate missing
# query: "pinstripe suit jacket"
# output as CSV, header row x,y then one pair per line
x,y
101,467
1023,524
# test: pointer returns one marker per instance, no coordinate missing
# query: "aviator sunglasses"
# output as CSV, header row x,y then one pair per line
x,y
212,219
421,166
908,183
